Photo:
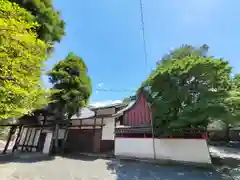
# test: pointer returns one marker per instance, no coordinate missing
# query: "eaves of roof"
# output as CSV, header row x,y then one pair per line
x,y
129,106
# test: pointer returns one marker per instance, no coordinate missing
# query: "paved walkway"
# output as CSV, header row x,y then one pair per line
x,y
39,167
82,168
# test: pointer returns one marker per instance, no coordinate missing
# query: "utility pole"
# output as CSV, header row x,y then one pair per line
x,y
146,57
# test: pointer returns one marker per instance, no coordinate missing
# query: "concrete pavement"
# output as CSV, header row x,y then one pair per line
x,y
91,168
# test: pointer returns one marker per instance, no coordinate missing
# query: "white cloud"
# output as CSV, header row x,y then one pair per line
x,y
105,103
96,92
100,84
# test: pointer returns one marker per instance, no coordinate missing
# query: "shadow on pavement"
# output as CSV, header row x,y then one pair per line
x,y
25,158
229,166
38,157
129,170
80,157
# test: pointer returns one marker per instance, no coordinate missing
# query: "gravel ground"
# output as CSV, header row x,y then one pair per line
x,y
82,168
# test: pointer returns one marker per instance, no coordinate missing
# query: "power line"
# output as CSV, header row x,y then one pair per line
x,y
143,33
115,90
145,53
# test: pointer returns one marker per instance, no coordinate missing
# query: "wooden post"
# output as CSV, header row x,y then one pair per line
x,y
94,126
44,119
41,129
11,131
101,133
17,139
94,134
102,123
115,127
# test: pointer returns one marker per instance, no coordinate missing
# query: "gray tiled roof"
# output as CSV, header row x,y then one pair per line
x,y
129,106
84,113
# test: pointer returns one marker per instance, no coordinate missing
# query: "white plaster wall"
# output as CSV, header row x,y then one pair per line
x,y
36,138
188,150
108,129
35,143
47,143
30,137
87,121
97,127
90,121
106,111
22,136
134,147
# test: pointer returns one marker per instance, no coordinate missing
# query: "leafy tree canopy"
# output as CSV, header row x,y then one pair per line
x,y
21,59
183,51
232,103
51,27
188,90
70,78
236,82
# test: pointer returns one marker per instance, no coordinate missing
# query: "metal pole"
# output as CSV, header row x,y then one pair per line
x,y
153,140
146,58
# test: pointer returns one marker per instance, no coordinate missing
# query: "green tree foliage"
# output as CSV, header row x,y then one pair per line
x,y
184,51
232,103
51,26
73,89
230,115
70,78
188,90
21,59
236,82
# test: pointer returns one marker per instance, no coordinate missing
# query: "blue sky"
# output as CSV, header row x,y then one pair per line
x,y
107,35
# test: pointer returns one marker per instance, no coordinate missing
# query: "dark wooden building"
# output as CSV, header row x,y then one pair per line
x,y
93,130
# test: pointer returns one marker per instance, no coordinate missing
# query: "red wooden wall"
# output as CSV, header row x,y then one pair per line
x,y
139,114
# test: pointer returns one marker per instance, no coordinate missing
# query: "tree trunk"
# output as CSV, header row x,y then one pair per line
x,y
56,138
64,139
